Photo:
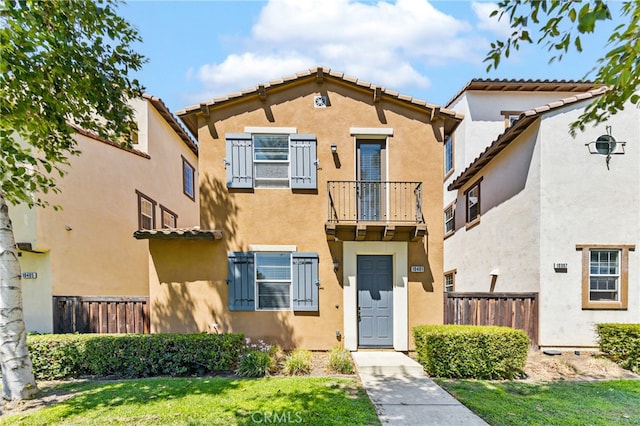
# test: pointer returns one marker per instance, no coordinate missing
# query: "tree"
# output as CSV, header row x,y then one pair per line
x,y
63,62
562,24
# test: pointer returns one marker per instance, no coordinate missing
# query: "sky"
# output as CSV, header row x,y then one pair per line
x,y
200,50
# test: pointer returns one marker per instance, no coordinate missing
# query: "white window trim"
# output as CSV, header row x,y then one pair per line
x,y
256,291
272,248
371,131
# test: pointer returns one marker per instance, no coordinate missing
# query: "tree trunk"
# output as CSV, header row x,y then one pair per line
x,y
17,371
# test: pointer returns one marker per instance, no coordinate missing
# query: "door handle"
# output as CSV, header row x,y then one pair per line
x,y
358,313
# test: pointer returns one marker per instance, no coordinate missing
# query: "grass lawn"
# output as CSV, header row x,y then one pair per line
x,y
200,401
615,402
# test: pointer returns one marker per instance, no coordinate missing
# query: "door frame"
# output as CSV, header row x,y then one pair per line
x,y
399,252
359,286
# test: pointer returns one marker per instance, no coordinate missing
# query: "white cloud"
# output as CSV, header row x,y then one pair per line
x,y
500,28
385,43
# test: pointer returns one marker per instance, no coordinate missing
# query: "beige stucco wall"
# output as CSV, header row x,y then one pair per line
x,y
286,217
89,244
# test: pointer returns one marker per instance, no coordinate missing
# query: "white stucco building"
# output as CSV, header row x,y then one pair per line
x,y
529,208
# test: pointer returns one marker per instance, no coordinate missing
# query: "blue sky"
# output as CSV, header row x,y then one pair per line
x,y
199,50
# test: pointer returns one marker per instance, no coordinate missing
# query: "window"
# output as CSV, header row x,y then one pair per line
x,y
473,204
449,219
169,219
448,156
271,161
510,117
273,281
450,281
146,212
188,179
605,276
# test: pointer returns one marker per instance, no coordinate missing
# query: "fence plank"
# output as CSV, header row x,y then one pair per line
x,y
516,310
79,314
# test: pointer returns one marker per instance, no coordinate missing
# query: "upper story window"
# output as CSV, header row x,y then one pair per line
x,y
168,218
605,276
473,203
448,156
449,219
450,281
510,117
271,161
146,212
188,179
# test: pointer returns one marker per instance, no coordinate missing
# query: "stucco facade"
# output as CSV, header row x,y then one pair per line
x,y
191,293
546,200
86,248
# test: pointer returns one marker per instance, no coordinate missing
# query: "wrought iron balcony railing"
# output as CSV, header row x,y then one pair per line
x,y
375,201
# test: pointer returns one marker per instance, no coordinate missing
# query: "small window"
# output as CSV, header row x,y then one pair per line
x,y
273,280
271,161
449,219
473,204
188,179
146,212
605,276
169,218
510,117
449,281
448,156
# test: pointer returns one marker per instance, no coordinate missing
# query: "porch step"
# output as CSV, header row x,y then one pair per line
x,y
385,363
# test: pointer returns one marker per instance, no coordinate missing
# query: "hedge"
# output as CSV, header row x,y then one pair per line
x,y
61,356
467,351
620,343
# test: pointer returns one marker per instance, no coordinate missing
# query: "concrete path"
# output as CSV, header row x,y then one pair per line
x,y
404,395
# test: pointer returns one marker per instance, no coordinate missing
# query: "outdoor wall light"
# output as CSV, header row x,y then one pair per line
x,y
334,149
336,264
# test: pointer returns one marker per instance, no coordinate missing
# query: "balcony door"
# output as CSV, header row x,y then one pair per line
x,y
371,174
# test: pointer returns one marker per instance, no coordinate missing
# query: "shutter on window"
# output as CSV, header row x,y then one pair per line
x,y
305,281
239,160
304,173
241,281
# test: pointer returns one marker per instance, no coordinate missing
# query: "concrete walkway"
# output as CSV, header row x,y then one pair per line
x,y
404,395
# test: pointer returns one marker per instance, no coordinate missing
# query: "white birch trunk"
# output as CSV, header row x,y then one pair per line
x,y
17,371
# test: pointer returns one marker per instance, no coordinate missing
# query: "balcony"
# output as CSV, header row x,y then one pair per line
x,y
374,211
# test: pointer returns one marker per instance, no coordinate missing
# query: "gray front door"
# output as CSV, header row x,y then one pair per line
x,y
375,301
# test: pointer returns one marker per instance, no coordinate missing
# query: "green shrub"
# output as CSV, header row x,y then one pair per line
x,y
621,344
59,356
340,360
465,351
254,364
298,363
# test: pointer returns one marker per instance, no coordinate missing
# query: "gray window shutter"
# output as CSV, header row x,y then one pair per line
x,y
241,281
304,170
239,160
305,281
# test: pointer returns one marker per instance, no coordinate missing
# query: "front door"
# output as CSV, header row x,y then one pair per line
x,y
375,301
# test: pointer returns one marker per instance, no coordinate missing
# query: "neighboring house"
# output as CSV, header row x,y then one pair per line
x,y
325,195
531,209
86,248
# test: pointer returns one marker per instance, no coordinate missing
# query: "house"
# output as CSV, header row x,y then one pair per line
x,y
320,209
529,208
85,251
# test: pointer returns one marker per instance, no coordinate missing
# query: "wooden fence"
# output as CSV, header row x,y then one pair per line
x,y
80,314
517,310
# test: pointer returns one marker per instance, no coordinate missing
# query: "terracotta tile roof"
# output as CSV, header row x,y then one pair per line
x,y
509,135
173,122
513,85
194,233
99,138
188,114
